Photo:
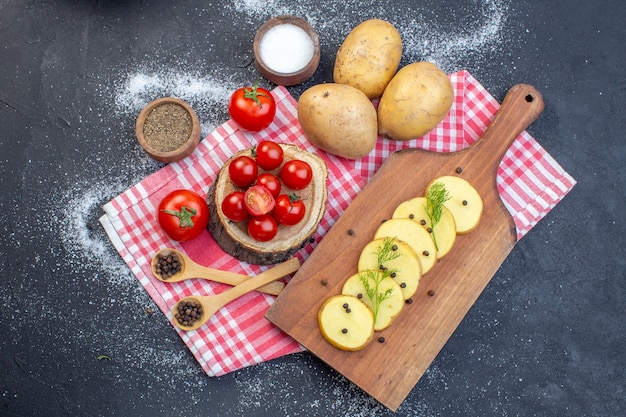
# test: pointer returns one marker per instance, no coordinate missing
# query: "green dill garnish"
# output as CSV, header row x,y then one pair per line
x,y
384,253
435,197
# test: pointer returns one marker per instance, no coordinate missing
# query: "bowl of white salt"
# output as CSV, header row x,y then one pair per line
x,y
286,50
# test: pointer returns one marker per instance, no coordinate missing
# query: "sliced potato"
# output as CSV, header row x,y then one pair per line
x,y
347,328
414,235
444,232
407,268
464,203
388,308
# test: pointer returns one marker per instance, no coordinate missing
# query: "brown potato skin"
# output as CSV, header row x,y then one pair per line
x,y
416,100
338,119
369,57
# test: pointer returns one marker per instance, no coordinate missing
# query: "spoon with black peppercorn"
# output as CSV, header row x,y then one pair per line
x,y
171,265
192,312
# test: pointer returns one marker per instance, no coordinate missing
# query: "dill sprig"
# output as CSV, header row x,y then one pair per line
x,y
384,253
436,196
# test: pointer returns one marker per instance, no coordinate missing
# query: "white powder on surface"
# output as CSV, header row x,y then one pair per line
x,y
286,48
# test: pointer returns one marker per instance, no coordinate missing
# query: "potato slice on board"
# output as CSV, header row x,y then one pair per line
x,y
464,203
407,266
414,235
444,232
346,322
388,308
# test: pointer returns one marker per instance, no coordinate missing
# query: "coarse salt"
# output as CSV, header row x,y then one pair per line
x,y
286,48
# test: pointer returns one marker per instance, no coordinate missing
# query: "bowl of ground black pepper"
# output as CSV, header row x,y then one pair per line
x,y
168,129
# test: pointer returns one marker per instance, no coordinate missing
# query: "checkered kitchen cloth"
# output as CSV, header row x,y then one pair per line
x,y
530,182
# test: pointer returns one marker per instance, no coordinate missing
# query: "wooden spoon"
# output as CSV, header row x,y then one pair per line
x,y
190,270
212,303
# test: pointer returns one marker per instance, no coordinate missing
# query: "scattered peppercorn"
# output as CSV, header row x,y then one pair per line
x,y
411,216
345,305
459,170
431,293
149,311
381,339
425,253
393,275
351,232
188,312
409,301
359,296
344,331
324,281
423,222
403,285
394,248
465,202
429,229
167,265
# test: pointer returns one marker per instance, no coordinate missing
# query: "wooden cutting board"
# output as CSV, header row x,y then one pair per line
x,y
388,371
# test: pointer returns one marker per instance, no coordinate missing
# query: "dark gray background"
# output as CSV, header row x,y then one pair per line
x,y
546,338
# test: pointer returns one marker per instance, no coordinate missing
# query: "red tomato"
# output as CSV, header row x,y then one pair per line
x,y
289,209
271,182
183,215
242,171
258,200
234,208
296,174
252,108
262,228
269,155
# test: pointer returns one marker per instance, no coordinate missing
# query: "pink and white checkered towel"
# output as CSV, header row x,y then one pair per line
x,y
530,183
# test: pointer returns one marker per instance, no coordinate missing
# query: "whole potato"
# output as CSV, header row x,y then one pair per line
x,y
338,119
418,97
369,57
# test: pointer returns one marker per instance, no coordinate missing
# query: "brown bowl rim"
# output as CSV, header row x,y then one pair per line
x,y
177,154
281,78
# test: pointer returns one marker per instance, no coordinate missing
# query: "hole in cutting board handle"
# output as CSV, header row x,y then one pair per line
x,y
529,98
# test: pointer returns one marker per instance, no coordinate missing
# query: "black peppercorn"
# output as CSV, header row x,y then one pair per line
x,y
425,253
381,339
409,301
431,293
465,202
351,232
423,222
459,170
344,331
324,282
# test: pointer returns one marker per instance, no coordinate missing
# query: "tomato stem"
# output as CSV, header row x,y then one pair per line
x,y
252,94
184,215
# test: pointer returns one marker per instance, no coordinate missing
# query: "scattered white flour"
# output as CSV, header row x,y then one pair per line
x,y
74,216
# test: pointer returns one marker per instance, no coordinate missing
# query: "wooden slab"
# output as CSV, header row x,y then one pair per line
x,y
388,371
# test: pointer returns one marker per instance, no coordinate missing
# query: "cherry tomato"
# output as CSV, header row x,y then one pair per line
x,y
242,171
234,208
262,228
269,155
252,108
271,182
296,174
258,200
183,215
289,209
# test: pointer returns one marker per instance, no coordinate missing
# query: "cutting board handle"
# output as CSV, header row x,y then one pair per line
x,y
521,106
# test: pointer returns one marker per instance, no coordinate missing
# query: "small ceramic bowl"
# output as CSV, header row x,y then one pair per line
x,y
185,149
274,71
